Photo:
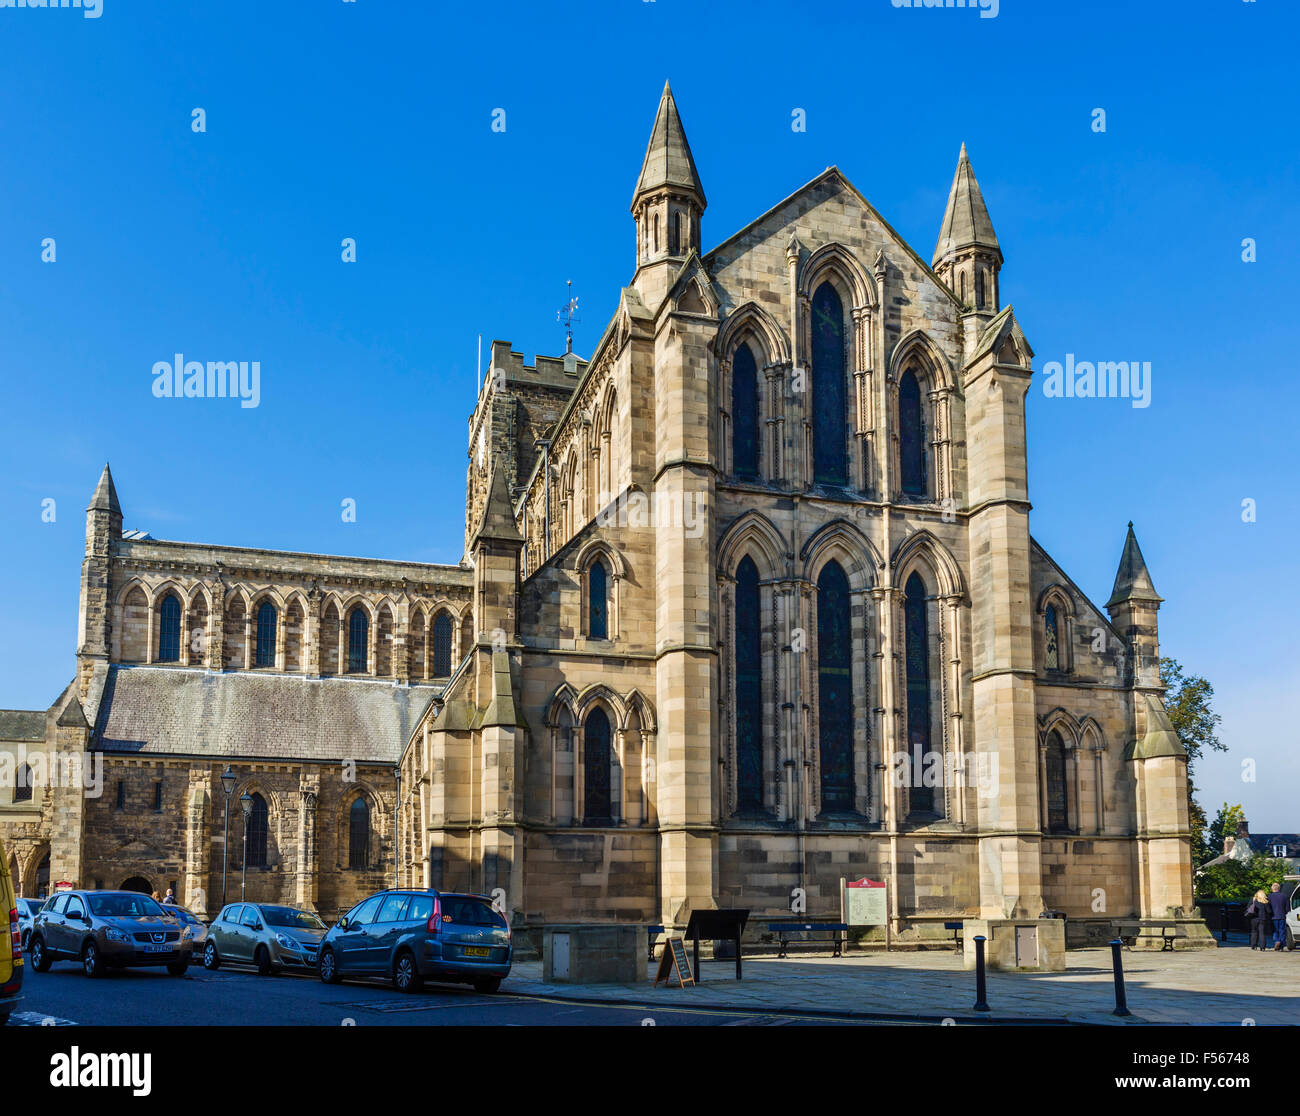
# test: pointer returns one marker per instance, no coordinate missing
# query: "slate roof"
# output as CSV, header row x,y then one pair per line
x,y
166,711
22,724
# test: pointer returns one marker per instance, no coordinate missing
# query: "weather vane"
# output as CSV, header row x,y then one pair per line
x,y
565,316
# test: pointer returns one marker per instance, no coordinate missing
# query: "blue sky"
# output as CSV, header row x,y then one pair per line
x,y
373,120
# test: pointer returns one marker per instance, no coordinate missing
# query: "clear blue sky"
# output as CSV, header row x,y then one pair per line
x,y
373,120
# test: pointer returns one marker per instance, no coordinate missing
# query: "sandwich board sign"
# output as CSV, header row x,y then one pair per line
x,y
673,963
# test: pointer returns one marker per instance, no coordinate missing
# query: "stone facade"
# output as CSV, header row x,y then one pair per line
x,y
750,604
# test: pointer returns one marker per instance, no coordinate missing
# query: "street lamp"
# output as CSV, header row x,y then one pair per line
x,y
246,804
397,813
227,785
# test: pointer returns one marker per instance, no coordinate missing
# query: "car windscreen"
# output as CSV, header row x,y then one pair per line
x,y
291,919
469,911
124,906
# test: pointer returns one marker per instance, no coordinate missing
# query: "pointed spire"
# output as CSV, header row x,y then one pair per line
x,y
668,160
498,521
966,220
1132,580
105,498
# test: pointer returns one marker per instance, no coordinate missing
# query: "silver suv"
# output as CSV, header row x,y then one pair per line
x,y
104,930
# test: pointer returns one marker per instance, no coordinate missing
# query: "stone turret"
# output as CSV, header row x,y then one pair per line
x,y
967,256
1133,606
94,620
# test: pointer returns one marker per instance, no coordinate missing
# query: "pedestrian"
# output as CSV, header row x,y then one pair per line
x,y
169,900
1257,912
156,897
1277,905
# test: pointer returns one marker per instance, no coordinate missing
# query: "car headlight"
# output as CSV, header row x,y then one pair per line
x,y
115,935
188,932
288,943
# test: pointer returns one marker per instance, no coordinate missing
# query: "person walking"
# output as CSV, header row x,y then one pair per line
x,y
169,900
1277,907
1257,911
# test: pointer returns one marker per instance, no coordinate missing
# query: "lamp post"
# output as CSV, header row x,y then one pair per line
x,y
227,785
397,813
246,804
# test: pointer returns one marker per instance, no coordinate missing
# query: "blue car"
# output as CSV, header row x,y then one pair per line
x,y
411,935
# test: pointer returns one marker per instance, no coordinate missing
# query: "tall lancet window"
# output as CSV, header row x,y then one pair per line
x,y
169,629
1058,798
749,691
266,635
597,601
835,690
358,638
911,435
744,414
597,802
916,632
829,356
1050,638
442,645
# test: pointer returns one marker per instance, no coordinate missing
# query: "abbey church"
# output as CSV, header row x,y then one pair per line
x,y
749,604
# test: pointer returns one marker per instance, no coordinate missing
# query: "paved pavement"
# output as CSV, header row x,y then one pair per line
x,y
1230,985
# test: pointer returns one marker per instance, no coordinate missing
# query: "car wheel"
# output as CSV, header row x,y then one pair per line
x,y
40,959
1291,943
91,963
262,961
328,967
177,968
406,976
487,985
211,960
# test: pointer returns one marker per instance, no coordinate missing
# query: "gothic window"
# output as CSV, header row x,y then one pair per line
x,y
656,233
255,848
749,691
911,435
829,356
266,635
359,834
1058,799
597,601
917,650
358,637
596,800
675,236
979,288
835,690
1053,653
169,629
442,645
744,414
23,784
962,294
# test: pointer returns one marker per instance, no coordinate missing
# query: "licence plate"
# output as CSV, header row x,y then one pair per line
x,y
476,951
158,948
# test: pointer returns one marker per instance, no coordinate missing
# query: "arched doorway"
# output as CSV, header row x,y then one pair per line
x,y
39,880
137,883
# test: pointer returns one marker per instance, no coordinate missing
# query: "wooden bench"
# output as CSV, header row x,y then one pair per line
x,y
956,928
819,930
1130,931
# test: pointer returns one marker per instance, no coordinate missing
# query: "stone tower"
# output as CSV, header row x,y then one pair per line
x,y
967,256
668,205
94,621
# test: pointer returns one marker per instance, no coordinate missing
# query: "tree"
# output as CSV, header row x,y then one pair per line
x,y
1187,701
1226,823
1239,880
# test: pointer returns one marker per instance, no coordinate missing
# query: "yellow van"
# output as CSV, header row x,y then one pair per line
x,y
11,950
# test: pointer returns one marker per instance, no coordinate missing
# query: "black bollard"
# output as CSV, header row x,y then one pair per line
x,y
1121,1001
981,1001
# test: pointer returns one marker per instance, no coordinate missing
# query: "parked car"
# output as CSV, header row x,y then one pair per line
x,y
27,911
1292,932
266,935
411,935
105,930
193,927
11,953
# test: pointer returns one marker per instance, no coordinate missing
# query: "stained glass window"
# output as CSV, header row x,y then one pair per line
x,y
835,689
749,690
744,414
266,635
169,629
829,357
358,639
595,770
917,652
911,435
442,645
1053,658
255,850
359,834
598,601
1058,808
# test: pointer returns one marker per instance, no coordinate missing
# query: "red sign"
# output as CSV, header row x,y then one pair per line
x,y
64,885
864,882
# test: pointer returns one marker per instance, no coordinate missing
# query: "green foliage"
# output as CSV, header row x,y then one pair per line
x,y
1187,701
1235,880
1225,825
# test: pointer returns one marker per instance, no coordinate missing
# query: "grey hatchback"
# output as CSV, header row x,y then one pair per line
x,y
412,935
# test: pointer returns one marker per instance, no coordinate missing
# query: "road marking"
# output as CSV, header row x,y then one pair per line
x,y
38,1019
